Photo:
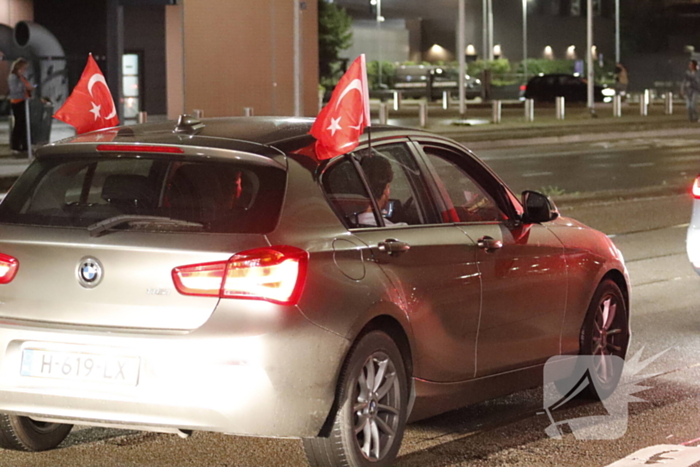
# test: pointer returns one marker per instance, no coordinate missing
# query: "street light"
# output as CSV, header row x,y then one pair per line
x,y
377,5
525,38
617,31
487,28
590,72
461,39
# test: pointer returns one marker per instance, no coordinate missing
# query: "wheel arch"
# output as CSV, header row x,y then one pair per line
x,y
393,328
618,278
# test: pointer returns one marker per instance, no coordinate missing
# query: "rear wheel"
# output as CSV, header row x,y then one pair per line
x,y
371,408
24,434
605,334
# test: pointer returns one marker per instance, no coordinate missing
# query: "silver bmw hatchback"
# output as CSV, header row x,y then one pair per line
x,y
213,275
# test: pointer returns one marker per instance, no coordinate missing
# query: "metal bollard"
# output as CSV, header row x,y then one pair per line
x,y
383,113
398,97
617,106
446,100
561,107
142,117
423,113
198,113
668,103
644,103
248,111
529,110
496,109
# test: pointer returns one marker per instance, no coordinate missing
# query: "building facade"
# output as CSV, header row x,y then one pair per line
x,y
168,57
558,24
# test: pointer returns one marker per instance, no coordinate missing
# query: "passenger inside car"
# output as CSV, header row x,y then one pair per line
x,y
379,175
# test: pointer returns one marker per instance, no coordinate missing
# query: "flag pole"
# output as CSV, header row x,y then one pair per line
x,y
365,96
369,140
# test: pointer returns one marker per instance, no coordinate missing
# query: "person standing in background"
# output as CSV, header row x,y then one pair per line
x,y
20,90
621,80
690,89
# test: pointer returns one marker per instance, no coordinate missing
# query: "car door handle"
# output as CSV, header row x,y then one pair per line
x,y
488,243
392,246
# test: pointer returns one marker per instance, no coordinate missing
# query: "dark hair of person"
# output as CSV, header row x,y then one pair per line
x,y
17,64
695,63
378,173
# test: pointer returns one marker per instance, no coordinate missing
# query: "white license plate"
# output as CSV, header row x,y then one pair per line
x,y
77,366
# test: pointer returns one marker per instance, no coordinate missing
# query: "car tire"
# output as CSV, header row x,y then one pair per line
x,y
24,434
366,413
605,332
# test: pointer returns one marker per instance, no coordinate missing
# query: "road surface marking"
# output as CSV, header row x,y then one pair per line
x,y
642,164
668,455
537,174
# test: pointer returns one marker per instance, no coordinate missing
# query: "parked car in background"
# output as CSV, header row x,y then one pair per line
x,y
419,81
545,88
213,275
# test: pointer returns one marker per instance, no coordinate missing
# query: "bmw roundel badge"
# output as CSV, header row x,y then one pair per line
x,y
89,272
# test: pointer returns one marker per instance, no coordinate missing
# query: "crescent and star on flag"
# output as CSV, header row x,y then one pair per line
x,y
340,124
90,100
94,79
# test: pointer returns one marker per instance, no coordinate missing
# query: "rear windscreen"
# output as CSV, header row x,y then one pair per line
x,y
217,197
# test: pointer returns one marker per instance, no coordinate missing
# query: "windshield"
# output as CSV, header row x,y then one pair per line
x,y
217,197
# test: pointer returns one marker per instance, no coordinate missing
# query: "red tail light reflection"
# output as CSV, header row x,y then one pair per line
x,y
8,268
696,188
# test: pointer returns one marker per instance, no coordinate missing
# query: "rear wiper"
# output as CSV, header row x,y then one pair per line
x,y
98,228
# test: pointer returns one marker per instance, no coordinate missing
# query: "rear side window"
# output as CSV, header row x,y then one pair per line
x,y
217,197
347,193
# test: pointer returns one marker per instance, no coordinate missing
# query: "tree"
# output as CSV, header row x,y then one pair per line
x,y
334,35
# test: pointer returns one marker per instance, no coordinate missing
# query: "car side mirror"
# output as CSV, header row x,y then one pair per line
x,y
538,208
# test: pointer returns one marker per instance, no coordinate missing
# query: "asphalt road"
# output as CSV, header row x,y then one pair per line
x,y
509,431
585,167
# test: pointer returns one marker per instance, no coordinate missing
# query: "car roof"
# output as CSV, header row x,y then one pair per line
x,y
235,133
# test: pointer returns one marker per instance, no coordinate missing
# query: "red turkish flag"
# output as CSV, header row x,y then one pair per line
x,y
90,106
338,127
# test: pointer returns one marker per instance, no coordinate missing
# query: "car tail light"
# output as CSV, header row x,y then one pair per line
x,y
696,187
275,274
523,87
139,148
8,268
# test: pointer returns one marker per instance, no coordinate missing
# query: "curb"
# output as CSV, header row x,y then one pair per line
x,y
581,138
609,196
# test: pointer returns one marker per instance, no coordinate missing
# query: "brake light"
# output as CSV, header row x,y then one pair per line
x,y
523,87
696,188
139,148
8,268
275,274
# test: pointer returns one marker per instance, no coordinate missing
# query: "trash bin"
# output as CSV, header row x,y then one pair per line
x,y
40,119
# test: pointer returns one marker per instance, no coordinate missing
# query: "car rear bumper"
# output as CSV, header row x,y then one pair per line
x,y
278,384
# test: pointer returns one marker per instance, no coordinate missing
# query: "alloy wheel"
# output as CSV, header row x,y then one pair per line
x,y
376,406
607,337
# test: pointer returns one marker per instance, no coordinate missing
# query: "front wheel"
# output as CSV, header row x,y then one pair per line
x,y
24,434
371,408
605,334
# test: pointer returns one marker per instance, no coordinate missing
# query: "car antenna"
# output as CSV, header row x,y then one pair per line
x,y
187,124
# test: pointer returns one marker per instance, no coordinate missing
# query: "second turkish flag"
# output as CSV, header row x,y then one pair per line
x,y
90,106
